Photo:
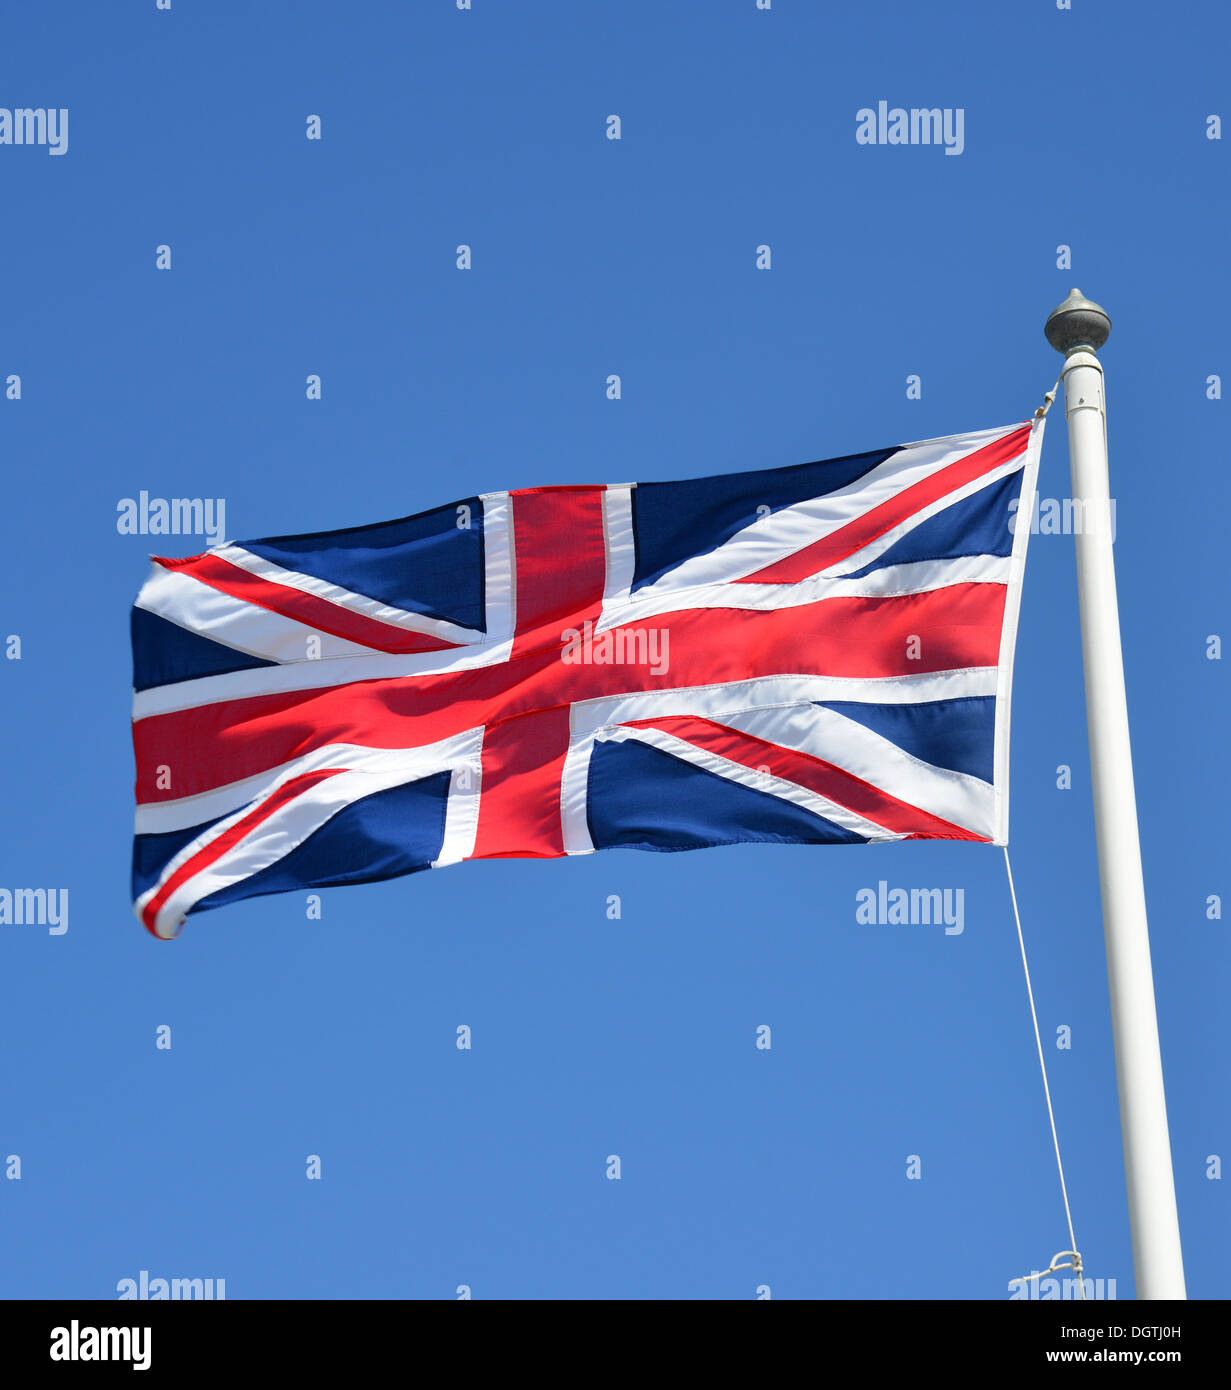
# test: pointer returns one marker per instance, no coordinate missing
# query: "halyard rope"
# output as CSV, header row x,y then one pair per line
x,y
1064,1192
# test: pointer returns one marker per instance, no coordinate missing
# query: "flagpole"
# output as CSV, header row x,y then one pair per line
x,y
1078,328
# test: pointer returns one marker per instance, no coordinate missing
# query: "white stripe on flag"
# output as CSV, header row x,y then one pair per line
x,y
723,698
750,777
894,581
369,771
824,733
234,622
791,529
401,618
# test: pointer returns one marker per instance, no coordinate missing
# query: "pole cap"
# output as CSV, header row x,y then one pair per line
x,y
1077,324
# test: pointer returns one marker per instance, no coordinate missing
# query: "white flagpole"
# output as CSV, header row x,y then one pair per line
x,y
1078,328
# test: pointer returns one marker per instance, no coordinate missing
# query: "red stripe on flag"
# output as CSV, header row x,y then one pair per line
x,y
303,608
815,774
845,541
231,837
519,801
560,575
561,562
954,628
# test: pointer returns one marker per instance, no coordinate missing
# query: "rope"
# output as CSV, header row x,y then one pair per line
x,y
1041,413
1064,1192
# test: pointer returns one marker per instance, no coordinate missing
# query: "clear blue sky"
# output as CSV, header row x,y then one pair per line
x,y
593,1037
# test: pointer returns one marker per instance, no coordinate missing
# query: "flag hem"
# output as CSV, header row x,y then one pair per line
x,y
1008,632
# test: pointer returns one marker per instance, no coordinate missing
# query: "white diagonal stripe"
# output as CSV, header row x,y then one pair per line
x,y
751,777
359,604
730,697
311,675
368,771
893,581
791,529
874,549
958,797
234,622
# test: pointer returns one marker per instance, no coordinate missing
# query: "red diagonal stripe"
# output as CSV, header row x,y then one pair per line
x,y
231,837
844,542
304,608
815,774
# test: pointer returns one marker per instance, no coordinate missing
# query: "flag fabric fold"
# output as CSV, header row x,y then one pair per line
x,y
818,654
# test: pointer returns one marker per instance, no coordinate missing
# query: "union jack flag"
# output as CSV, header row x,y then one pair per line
x,y
819,654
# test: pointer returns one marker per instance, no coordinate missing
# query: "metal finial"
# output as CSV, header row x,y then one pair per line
x,y
1076,324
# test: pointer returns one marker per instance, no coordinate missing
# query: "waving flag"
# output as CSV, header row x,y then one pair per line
x,y
819,654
